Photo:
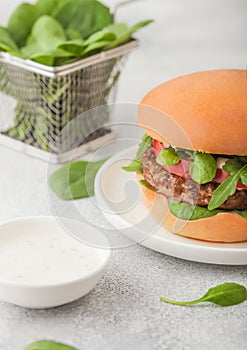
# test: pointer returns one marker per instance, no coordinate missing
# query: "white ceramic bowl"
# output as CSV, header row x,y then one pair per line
x,y
36,296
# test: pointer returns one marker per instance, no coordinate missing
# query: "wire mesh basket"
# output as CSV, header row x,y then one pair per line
x,y
38,101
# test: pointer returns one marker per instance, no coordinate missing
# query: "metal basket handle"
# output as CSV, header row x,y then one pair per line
x,y
120,4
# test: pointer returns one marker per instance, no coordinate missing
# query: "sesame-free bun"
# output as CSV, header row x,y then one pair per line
x,y
204,111
223,227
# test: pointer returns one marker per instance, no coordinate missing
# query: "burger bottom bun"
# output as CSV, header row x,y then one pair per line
x,y
223,227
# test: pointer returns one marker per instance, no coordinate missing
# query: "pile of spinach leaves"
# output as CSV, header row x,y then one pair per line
x,y
57,32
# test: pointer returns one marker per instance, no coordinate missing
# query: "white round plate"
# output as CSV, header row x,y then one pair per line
x,y
118,195
36,294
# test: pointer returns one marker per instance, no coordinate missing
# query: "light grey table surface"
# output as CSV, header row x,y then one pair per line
x,y
124,311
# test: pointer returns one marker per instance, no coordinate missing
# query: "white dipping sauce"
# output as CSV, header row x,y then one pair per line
x,y
45,257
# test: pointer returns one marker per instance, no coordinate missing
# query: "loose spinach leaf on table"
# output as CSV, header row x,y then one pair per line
x,y
75,180
203,167
21,22
48,345
168,157
226,294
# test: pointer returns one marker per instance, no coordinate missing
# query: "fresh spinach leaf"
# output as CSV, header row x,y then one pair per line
x,y
226,189
95,47
47,6
7,43
124,33
203,167
75,46
232,166
186,211
73,34
147,185
51,57
242,159
168,157
102,35
243,177
241,213
118,29
226,294
84,16
135,166
75,180
184,153
21,22
146,142
46,35
48,345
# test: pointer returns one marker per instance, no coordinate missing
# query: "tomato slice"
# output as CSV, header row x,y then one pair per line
x,y
158,146
221,175
182,168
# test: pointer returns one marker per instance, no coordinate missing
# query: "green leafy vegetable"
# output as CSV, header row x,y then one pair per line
x,y
124,33
184,153
84,16
74,46
227,187
242,159
234,165
243,177
135,166
46,35
241,213
186,211
75,180
7,43
147,185
48,345
226,294
146,142
47,6
168,157
21,22
53,32
73,34
203,167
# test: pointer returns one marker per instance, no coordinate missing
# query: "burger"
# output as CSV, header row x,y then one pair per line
x,y
192,161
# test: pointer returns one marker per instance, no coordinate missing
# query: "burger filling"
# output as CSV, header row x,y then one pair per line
x,y
196,184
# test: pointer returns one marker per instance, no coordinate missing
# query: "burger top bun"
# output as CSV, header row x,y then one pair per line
x,y
204,111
